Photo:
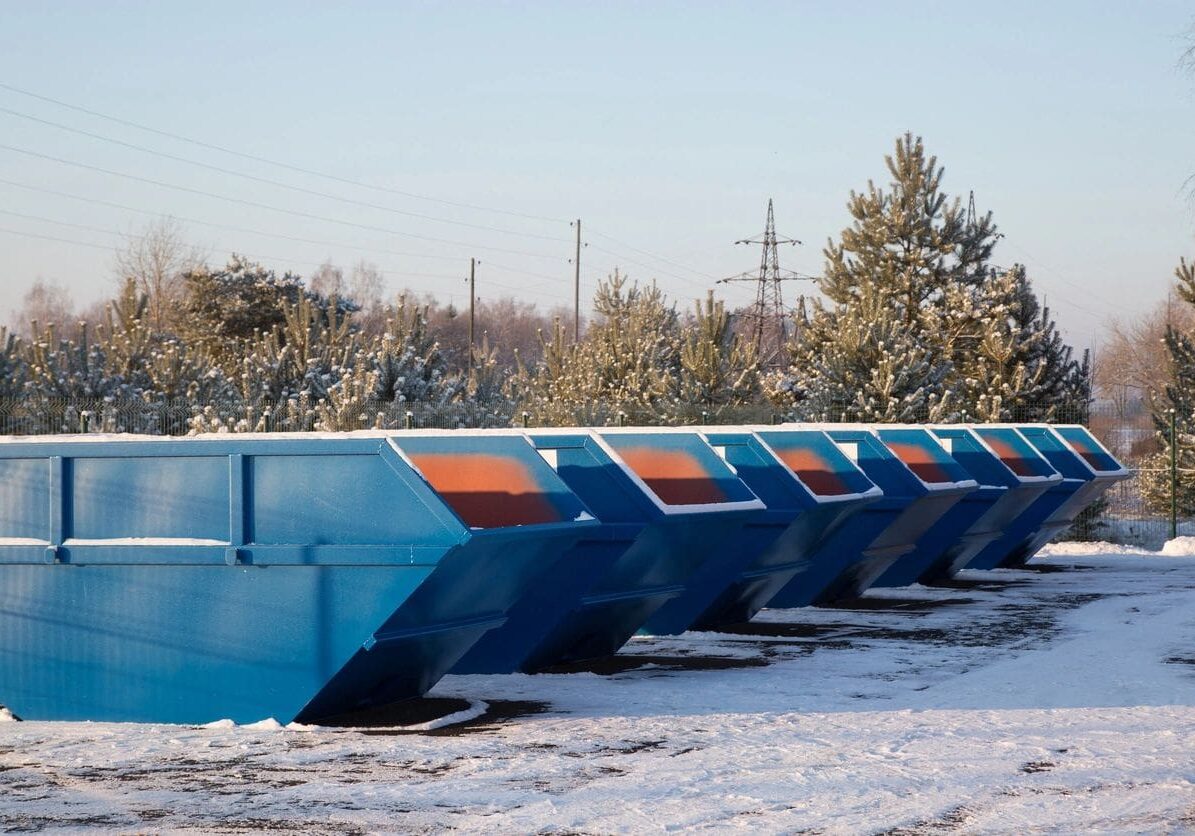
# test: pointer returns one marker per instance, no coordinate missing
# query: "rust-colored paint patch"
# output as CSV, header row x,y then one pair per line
x,y
920,461
1093,456
487,491
675,476
1009,454
814,471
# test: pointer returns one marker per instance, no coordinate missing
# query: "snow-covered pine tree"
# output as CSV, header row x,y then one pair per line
x,y
914,257
911,242
408,360
1010,361
13,365
861,361
628,362
157,366
718,369
1179,396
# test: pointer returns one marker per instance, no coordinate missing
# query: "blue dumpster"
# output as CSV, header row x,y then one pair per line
x,y
1088,471
810,488
244,577
980,517
1027,475
920,484
669,505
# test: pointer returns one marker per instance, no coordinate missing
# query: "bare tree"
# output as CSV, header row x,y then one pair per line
x,y
156,259
327,280
1135,363
367,287
45,303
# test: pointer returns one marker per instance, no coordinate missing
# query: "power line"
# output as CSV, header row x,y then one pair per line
x,y
247,230
102,231
276,163
652,255
266,206
646,266
528,290
278,183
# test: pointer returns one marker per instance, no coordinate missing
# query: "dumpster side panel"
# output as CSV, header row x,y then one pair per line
x,y
542,606
185,644
343,499
789,557
24,499
236,588
172,497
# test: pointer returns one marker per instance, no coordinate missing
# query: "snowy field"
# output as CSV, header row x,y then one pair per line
x,y
1054,700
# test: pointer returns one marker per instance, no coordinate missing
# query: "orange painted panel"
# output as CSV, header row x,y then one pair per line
x,y
1011,457
675,476
487,491
919,461
812,468
1094,457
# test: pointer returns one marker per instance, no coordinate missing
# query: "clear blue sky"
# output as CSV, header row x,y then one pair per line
x,y
666,126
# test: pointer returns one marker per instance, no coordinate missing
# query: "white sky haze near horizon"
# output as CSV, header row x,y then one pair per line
x,y
665,127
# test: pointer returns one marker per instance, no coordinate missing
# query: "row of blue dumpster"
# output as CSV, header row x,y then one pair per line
x,y
305,576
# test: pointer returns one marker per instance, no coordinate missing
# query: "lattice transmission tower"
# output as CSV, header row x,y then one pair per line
x,y
770,321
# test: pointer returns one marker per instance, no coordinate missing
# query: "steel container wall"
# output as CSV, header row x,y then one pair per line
x,y
920,484
980,517
1017,511
671,504
244,577
1088,470
810,488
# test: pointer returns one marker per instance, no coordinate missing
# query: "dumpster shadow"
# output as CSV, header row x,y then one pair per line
x,y
622,663
397,718
1049,568
876,603
984,585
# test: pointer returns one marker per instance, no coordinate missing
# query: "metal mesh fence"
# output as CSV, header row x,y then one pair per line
x,y
1130,513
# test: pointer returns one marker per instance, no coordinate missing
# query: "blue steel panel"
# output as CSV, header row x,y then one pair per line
x,y
369,586
1060,457
626,570
144,496
857,554
344,499
967,525
593,475
184,644
716,593
1085,444
24,498
879,463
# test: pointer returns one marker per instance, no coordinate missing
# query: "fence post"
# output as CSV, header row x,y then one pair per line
x,y
526,420
410,420
1173,474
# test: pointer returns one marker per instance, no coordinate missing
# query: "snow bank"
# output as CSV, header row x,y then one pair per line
x,y
1178,547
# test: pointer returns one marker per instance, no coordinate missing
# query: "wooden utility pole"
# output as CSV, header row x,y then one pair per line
x,y
472,307
577,288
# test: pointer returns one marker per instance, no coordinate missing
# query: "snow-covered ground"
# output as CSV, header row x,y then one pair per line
x,y
1055,700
